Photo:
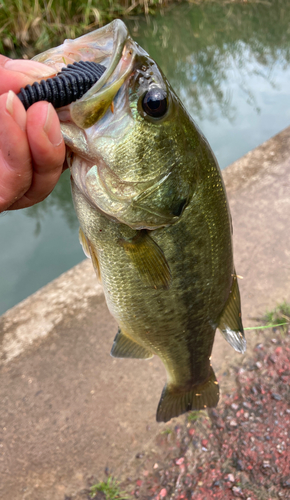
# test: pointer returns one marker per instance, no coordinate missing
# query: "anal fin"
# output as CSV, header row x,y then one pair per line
x,y
230,321
175,401
124,347
149,260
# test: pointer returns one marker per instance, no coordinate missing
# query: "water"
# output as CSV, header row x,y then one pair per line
x,y
230,66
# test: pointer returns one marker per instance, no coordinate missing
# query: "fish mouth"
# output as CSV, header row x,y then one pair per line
x,y
95,103
111,46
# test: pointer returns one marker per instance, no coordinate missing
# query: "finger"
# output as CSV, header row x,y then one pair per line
x,y
3,60
17,73
15,157
47,150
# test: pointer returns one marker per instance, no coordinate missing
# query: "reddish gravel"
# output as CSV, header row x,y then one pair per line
x,y
239,450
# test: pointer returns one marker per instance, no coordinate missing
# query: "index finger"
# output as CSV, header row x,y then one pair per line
x,y
17,73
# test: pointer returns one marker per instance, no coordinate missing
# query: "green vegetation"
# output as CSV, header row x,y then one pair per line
x,y
110,488
31,26
193,416
280,316
167,431
42,24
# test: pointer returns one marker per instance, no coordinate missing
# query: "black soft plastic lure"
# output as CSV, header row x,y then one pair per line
x,y
70,84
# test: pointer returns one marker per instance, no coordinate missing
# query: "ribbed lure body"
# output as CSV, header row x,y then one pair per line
x,y
70,84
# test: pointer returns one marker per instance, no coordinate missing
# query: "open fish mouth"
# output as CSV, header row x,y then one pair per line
x,y
110,46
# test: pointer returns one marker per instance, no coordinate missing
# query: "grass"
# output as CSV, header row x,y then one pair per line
x,y
43,23
110,488
193,416
167,431
280,316
31,26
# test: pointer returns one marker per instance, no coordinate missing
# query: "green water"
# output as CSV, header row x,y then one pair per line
x,y
230,66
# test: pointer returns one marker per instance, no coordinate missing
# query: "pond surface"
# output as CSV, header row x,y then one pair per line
x,y
231,67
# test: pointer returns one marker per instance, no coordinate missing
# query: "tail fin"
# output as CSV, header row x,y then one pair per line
x,y
173,403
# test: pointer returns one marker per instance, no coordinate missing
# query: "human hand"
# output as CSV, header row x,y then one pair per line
x,y
32,151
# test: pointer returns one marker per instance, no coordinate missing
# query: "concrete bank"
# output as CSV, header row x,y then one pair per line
x,y
68,409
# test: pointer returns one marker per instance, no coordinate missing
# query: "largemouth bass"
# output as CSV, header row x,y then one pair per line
x,y
154,216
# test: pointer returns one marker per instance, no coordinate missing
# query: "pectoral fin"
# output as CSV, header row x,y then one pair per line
x,y
124,347
230,322
148,259
84,243
90,252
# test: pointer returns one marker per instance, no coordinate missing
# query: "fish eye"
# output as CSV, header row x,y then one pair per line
x,y
155,103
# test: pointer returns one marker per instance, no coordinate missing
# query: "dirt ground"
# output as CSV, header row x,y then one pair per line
x,y
239,450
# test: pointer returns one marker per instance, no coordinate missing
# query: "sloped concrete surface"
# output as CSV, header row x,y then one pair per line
x,y
68,409
258,187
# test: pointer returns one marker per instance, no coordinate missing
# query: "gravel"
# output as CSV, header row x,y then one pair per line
x,y
239,450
